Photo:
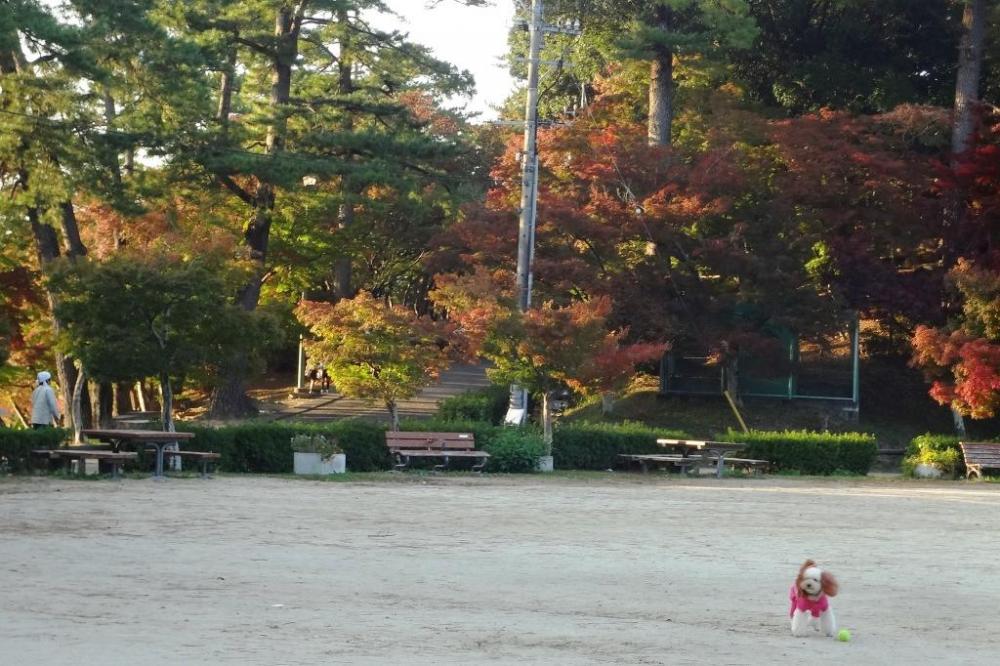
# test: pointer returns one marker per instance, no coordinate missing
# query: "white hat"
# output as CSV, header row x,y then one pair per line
x,y
44,376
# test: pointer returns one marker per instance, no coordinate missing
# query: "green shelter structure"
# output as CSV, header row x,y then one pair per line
x,y
823,372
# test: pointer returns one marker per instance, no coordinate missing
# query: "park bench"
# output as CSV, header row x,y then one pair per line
x,y
115,459
205,458
751,465
980,456
684,463
443,446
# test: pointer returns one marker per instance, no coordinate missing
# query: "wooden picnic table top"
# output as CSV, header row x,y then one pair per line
x,y
701,444
136,435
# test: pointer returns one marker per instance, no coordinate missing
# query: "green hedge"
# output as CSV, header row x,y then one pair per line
x,y
583,445
810,452
488,405
940,451
266,447
16,446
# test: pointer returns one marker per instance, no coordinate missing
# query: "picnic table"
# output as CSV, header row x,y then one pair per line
x,y
713,450
134,438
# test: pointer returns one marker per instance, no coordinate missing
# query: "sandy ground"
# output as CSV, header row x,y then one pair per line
x,y
243,570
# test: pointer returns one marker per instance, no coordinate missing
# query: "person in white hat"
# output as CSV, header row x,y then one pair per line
x,y
44,408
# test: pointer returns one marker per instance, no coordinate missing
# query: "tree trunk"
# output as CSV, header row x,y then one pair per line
x,y
607,402
547,422
226,91
393,415
970,60
229,398
112,155
140,397
47,250
122,399
105,404
342,269
77,404
166,403
967,82
959,421
71,231
661,86
732,376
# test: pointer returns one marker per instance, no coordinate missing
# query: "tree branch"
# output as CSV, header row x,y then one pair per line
x,y
235,188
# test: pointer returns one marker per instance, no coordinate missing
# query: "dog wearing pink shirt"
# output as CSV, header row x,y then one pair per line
x,y
810,597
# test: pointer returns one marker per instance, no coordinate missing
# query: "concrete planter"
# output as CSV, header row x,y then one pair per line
x,y
545,464
311,464
927,472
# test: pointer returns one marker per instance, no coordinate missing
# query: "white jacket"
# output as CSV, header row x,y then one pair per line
x,y
44,408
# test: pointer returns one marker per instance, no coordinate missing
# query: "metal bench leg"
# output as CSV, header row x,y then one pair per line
x,y
204,469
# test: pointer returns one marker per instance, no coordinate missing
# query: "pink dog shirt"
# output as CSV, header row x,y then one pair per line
x,y
804,603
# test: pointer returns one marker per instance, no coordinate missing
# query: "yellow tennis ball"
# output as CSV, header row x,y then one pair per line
x,y
844,635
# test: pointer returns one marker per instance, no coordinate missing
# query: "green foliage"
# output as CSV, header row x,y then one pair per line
x,y
515,450
596,446
266,448
374,351
487,404
857,54
315,443
940,451
16,446
810,452
129,318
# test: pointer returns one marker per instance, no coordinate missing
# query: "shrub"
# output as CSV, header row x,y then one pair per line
x,y
515,450
266,447
810,452
488,405
16,446
582,445
940,451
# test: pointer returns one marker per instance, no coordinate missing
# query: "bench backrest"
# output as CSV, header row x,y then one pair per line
x,y
452,441
981,453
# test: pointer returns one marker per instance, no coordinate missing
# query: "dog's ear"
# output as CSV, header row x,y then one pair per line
x,y
829,584
802,573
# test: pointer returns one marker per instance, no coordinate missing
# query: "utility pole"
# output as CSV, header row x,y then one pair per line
x,y
518,408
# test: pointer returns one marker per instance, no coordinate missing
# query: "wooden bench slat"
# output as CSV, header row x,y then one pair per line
x,y
136,435
445,454
194,455
406,436
431,444
96,455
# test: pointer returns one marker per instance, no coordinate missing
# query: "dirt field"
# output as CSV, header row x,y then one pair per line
x,y
506,571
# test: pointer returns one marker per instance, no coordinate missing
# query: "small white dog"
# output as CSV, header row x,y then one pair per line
x,y
810,601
